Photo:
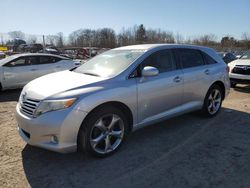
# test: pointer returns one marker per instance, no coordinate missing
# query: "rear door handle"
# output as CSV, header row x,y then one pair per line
x,y
207,72
33,69
177,79
58,66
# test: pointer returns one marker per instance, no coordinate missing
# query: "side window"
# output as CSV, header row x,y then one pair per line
x,y
17,62
48,59
162,60
190,58
44,60
209,60
55,59
32,60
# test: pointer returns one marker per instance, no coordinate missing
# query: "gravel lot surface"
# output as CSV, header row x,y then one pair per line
x,y
188,151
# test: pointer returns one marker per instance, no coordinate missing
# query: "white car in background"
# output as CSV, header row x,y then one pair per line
x,y
17,70
239,72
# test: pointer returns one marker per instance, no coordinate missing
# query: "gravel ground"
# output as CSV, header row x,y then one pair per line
x,y
188,151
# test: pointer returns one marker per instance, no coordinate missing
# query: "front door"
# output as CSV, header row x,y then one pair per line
x,y
19,72
159,94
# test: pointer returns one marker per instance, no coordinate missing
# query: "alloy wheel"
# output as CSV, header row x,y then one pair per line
x,y
107,134
214,101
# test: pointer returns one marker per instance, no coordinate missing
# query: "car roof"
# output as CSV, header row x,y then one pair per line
x,y
147,47
38,54
12,57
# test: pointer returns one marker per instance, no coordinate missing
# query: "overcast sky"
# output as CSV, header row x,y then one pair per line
x,y
188,17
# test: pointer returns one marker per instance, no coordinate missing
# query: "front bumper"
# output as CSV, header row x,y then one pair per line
x,y
42,131
239,78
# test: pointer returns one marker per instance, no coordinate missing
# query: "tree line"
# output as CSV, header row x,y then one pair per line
x,y
138,34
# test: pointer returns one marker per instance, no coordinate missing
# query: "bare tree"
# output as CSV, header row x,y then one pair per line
x,y
32,39
245,36
179,39
59,40
16,34
51,39
140,35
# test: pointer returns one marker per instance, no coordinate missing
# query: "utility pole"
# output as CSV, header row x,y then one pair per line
x,y
44,43
2,39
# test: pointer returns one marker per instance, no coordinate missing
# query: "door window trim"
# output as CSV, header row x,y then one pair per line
x,y
138,68
176,51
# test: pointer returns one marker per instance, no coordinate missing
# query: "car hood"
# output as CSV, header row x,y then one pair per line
x,y
241,62
55,83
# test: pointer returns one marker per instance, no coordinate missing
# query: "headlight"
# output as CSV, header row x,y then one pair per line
x,y
52,105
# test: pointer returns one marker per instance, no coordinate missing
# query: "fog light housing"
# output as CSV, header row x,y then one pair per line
x,y
54,139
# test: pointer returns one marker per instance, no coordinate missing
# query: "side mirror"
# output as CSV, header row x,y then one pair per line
x,y
149,71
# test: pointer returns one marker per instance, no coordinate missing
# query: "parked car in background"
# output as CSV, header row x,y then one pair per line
x,y
240,70
2,55
94,107
227,56
238,54
18,70
51,51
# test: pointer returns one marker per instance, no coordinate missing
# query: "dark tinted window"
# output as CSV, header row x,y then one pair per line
x,y
32,60
48,59
190,58
209,60
55,59
162,60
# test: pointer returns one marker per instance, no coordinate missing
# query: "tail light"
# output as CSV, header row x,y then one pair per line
x,y
228,69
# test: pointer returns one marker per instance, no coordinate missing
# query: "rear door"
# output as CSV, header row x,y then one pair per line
x,y
45,65
196,75
19,72
159,94
66,64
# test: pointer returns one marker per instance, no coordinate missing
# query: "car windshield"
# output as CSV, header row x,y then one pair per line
x,y
110,63
246,55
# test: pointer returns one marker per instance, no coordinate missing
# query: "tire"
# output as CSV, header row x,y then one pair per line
x,y
98,136
213,101
233,84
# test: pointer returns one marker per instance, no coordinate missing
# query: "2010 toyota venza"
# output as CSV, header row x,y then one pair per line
x,y
94,107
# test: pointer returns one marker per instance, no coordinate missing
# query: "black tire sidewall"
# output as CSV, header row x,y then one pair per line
x,y
86,128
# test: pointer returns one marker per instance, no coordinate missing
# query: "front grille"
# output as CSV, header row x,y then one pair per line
x,y
28,106
241,69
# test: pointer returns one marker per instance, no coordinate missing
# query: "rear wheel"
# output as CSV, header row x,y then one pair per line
x,y
213,101
103,132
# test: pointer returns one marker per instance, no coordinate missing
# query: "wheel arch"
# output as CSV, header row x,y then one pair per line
x,y
123,107
222,86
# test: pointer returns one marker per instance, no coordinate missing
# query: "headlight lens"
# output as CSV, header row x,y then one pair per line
x,y
52,105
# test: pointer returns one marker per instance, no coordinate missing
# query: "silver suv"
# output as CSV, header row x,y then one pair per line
x,y
94,107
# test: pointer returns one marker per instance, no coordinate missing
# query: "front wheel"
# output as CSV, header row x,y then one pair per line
x,y
213,101
103,132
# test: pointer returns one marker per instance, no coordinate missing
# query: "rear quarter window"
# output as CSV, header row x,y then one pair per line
x,y
208,59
